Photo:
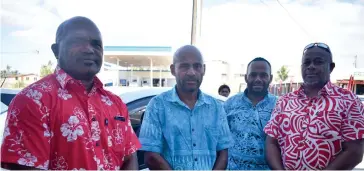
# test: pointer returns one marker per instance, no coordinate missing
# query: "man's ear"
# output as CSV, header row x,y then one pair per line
x,y
332,66
204,69
55,50
271,79
172,68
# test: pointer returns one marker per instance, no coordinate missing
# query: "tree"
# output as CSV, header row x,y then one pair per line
x,y
282,73
8,72
46,69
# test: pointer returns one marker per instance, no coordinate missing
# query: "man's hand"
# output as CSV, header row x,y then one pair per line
x,y
221,160
273,154
349,157
130,162
155,161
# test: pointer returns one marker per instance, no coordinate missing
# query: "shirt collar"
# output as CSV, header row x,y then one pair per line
x,y
201,99
326,90
63,79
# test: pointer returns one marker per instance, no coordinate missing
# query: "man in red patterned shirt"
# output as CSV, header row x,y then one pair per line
x,y
320,126
67,121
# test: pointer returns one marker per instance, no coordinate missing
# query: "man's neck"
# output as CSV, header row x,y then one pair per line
x,y
313,91
189,98
254,98
88,84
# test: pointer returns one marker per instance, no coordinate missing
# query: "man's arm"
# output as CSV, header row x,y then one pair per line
x,y
351,156
151,137
130,162
273,154
352,137
155,161
25,145
221,160
224,140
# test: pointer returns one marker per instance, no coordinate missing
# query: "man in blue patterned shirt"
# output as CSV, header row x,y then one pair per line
x,y
183,128
247,114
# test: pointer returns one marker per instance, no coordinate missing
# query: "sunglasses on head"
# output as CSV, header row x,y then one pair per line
x,y
320,45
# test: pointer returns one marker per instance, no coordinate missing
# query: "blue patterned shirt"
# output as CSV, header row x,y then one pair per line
x,y
187,139
246,123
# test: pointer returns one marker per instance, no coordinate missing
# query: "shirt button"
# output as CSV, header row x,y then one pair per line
x,y
93,119
193,129
195,159
194,144
97,143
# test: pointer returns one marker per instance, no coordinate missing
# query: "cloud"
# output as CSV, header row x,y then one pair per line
x,y
239,31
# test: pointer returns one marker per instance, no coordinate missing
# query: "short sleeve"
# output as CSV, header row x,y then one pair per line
x,y
225,139
272,128
352,125
132,143
27,135
150,135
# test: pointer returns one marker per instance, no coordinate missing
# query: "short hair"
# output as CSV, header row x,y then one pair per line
x,y
224,86
260,59
63,28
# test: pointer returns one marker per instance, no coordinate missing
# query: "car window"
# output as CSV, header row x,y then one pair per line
x,y
136,109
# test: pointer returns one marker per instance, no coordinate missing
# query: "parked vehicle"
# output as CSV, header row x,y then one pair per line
x,y
135,99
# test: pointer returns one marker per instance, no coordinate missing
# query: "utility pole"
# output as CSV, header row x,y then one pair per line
x,y
355,61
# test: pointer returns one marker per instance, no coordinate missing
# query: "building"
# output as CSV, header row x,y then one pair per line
x,y
358,81
19,81
137,66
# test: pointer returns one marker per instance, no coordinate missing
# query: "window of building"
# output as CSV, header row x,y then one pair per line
x,y
27,78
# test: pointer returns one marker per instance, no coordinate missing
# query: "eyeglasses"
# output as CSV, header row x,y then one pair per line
x,y
320,45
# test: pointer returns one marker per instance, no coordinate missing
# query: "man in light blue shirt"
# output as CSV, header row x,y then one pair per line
x,y
185,129
248,113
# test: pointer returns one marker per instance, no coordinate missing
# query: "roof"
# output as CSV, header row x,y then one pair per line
x,y
138,48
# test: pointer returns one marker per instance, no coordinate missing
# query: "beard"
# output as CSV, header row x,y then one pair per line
x,y
261,92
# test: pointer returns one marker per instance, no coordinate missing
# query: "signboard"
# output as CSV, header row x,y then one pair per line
x,y
359,75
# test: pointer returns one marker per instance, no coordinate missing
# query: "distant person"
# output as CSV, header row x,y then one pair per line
x,y
224,90
247,113
183,128
67,120
318,127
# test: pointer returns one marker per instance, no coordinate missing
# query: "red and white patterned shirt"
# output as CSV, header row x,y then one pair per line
x,y
56,124
310,131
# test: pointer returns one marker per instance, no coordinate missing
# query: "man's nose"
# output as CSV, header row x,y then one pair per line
x,y
88,49
191,71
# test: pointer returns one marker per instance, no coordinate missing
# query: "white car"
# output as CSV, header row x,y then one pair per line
x,y
361,97
136,99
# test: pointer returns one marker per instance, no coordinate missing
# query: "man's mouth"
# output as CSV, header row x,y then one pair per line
x,y
89,62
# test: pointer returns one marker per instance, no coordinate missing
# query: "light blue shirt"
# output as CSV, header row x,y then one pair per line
x,y
187,139
246,123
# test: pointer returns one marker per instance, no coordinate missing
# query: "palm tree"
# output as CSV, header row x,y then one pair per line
x,y
283,73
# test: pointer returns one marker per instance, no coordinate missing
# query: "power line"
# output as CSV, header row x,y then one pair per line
x,y
261,1
298,24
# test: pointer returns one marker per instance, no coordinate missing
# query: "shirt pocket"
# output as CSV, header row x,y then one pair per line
x,y
116,137
211,137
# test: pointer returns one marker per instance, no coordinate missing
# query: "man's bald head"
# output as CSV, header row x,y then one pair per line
x,y
78,22
187,50
188,68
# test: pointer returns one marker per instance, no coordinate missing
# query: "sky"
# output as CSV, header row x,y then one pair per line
x,y
232,30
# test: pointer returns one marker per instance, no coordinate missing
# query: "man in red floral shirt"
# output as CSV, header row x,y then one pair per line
x,y
320,126
67,121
